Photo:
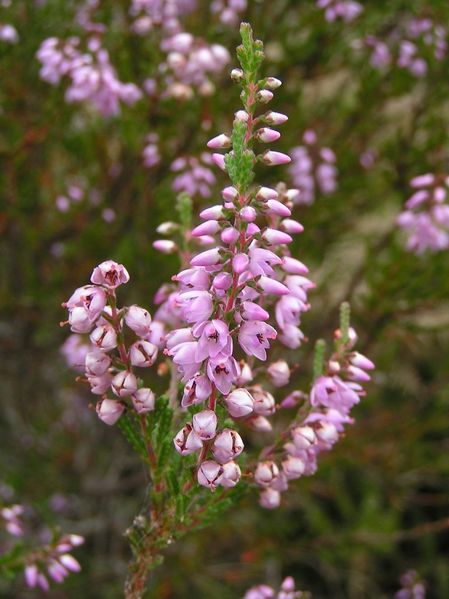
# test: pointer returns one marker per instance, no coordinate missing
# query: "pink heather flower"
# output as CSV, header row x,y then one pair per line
x,y
269,498
253,338
278,208
271,286
266,473
110,274
267,135
210,474
91,299
259,423
205,424
124,383
109,410
279,373
227,445
252,311
303,437
69,562
223,372
207,258
138,320
196,390
219,142
97,363
214,340
228,11
151,156
104,337
239,403
8,33
187,441
74,349
31,574
293,467
142,354
275,237
196,306
294,266
231,475
143,400
332,392
261,261
100,384
264,403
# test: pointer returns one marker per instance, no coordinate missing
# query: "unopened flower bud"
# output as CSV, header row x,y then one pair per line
x,y
165,246
273,83
272,286
210,227
229,235
231,475
79,320
205,424
138,320
124,383
275,118
167,228
266,193
104,337
327,433
97,363
361,361
241,115
267,135
143,400
207,258
294,266
109,410
279,372
212,213
291,226
264,403
219,161
293,467
303,437
278,208
248,214
100,384
210,474
272,158
270,499
264,96
237,75
259,423
266,472
143,354
240,263
187,441
239,403
275,237
252,311
219,142
227,445
222,281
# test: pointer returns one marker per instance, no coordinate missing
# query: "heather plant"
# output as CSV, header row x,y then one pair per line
x,y
222,302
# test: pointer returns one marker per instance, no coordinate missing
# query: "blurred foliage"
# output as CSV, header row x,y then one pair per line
x,y
379,503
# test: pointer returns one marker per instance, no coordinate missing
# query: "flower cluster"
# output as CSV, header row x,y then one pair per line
x,y
150,154
194,176
412,587
92,78
10,519
159,14
224,293
229,11
320,424
347,10
287,591
109,364
53,560
312,167
410,46
426,218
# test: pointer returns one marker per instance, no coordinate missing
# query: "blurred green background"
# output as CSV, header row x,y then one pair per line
x,y
379,503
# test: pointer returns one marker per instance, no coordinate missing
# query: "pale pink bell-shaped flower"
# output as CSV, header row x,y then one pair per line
x,y
254,338
214,340
187,441
231,475
266,472
110,274
293,467
142,354
239,403
97,363
223,372
124,383
196,390
138,320
264,403
143,400
205,424
109,410
210,474
104,337
227,445
279,372
272,158
269,498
